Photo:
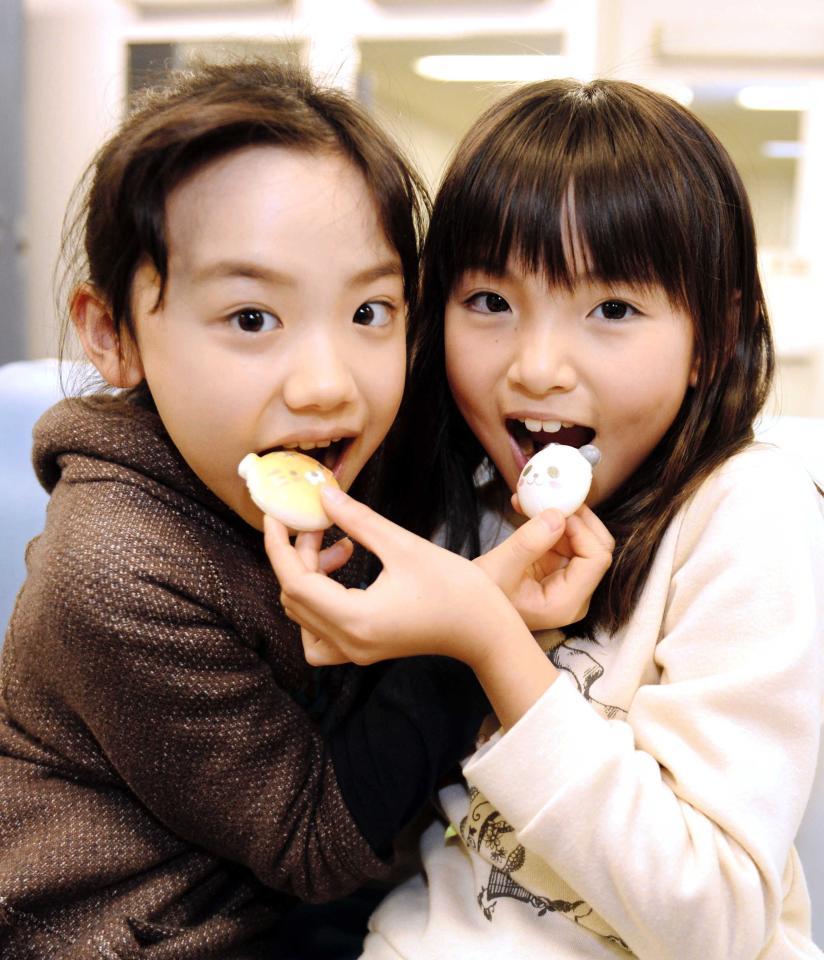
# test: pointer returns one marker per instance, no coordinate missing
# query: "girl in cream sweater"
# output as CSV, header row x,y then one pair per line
x,y
591,277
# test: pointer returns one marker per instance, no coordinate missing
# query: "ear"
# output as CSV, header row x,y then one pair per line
x,y
693,378
116,358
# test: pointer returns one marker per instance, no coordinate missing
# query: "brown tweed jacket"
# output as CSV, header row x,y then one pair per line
x,y
163,783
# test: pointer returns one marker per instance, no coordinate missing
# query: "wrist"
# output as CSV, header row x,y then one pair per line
x,y
513,671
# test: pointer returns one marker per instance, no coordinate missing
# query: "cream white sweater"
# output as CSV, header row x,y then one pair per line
x,y
646,805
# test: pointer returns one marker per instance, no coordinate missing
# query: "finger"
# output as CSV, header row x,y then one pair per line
x,y
585,570
310,623
507,562
319,653
594,523
322,646
588,542
274,531
336,556
322,655
322,605
516,504
286,561
369,528
307,546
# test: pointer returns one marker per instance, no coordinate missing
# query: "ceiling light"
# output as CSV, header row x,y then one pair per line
x,y
679,92
782,149
774,98
492,68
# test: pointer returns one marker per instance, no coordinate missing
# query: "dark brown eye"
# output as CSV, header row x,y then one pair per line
x,y
252,320
373,314
615,310
527,470
495,303
488,302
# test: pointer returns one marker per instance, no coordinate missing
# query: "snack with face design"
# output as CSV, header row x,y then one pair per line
x,y
557,476
287,486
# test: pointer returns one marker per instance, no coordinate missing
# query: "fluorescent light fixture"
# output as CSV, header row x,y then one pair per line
x,y
774,97
492,68
671,88
782,149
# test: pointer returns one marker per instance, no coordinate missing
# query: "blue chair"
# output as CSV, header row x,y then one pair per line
x,y
27,389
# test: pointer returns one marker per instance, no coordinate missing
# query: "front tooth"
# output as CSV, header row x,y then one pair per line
x,y
533,426
290,446
323,443
306,445
551,426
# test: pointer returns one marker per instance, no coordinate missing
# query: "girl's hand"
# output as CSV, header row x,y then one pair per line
x,y
550,578
426,600
326,561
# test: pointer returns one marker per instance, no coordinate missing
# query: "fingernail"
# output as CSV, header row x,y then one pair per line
x,y
332,494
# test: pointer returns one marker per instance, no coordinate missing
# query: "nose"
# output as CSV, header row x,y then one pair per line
x,y
320,376
543,362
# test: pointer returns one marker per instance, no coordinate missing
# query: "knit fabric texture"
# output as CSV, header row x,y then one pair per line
x,y
165,785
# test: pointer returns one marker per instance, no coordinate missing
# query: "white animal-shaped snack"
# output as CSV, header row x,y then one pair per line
x,y
557,476
287,486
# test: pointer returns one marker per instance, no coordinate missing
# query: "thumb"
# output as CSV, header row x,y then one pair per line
x,y
508,561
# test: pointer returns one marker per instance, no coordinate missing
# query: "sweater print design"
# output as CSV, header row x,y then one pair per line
x,y
516,873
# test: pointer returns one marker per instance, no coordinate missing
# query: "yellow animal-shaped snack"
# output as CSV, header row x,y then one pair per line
x,y
287,486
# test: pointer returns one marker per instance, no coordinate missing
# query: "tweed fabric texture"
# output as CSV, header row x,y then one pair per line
x,y
165,783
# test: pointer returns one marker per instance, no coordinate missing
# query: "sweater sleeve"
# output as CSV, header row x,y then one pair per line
x,y
194,722
676,825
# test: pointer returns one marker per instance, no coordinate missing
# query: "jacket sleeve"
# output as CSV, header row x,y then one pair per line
x,y
676,825
192,721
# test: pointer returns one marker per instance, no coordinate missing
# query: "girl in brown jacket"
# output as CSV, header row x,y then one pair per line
x,y
174,777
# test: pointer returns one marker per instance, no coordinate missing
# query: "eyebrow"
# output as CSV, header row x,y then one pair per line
x,y
249,270
245,269
505,274
389,268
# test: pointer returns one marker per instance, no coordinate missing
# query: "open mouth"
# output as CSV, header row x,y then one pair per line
x,y
330,453
528,442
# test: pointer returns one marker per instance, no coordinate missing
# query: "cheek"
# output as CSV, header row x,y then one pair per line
x,y
468,374
649,399
384,387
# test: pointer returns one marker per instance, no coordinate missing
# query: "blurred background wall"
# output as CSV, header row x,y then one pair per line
x,y
754,71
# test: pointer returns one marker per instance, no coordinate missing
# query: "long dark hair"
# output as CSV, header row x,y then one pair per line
x,y
656,200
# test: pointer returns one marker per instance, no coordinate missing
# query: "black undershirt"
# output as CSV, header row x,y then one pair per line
x,y
416,719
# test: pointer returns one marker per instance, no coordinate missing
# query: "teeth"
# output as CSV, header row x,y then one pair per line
x,y
308,444
545,426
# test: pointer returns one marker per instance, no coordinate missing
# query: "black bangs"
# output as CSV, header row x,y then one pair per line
x,y
582,190
604,181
